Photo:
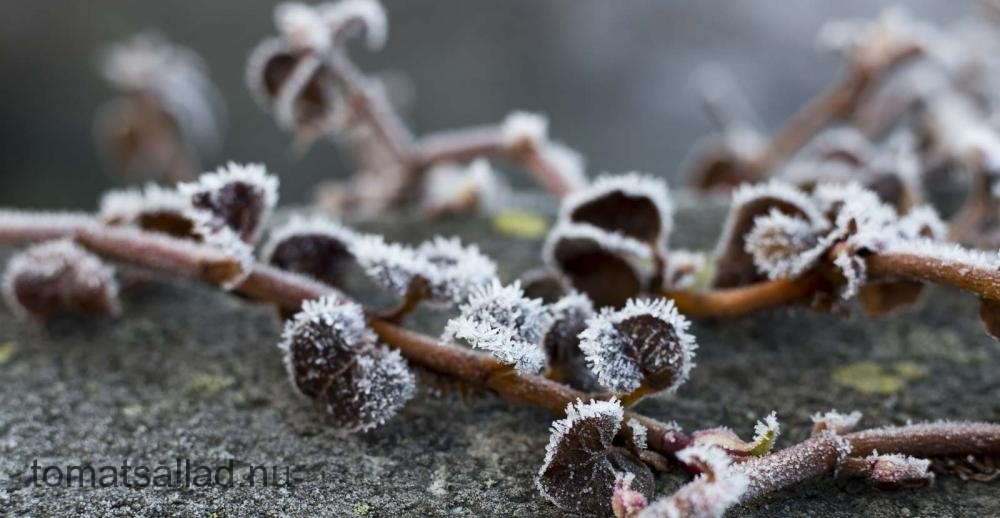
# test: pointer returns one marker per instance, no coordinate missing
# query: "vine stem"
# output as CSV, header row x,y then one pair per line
x,y
824,453
814,457
288,290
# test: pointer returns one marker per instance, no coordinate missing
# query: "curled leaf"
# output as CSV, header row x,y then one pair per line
x,y
58,277
715,490
582,465
633,205
151,208
645,345
241,197
315,246
765,433
734,264
609,267
332,357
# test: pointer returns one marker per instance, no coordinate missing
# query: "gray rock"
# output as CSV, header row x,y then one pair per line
x,y
188,372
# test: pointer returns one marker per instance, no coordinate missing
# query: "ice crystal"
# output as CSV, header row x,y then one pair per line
x,y
633,204
58,277
710,494
314,246
609,267
964,259
581,464
331,356
240,196
151,208
922,222
639,434
449,270
644,343
501,320
835,422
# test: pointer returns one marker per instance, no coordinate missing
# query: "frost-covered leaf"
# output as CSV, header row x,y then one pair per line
x,y
240,196
449,270
645,344
457,269
295,88
562,343
734,265
332,357
710,494
500,320
582,465
313,246
152,208
633,204
835,422
177,78
608,267
784,246
58,277
765,433
898,471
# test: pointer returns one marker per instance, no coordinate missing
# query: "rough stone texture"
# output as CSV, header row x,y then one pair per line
x,y
189,372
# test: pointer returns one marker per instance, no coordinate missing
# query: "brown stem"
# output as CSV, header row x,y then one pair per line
x,y
467,144
982,281
823,453
458,146
730,302
371,105
838,101
288,290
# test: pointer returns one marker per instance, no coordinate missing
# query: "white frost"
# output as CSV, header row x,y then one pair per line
x,y
606,347
501,320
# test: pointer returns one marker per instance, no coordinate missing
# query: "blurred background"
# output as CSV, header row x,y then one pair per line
x,y
617,79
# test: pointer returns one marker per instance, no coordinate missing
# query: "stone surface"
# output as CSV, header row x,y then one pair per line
x,y
192,373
